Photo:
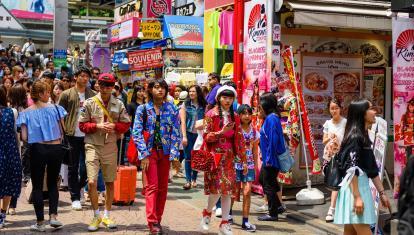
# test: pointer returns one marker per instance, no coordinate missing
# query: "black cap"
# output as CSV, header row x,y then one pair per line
x,y
49,75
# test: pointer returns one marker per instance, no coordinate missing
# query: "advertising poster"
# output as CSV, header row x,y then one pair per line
x,y
403,105
256,75
92,38
120,60
189,7
128,11
123,30
374,88
186,34
102,59
325,76
145,59
59,58
313,153
31,9
158,8
183,59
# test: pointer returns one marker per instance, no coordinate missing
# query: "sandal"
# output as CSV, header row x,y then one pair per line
x,y
187,186
194,184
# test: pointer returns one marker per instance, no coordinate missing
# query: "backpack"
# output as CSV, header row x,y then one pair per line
x,y
406,200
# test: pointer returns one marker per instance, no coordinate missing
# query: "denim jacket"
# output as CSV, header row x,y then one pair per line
x,y
169,127
193,114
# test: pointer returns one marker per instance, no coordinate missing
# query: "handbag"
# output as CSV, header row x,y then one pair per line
x,y
286,161
202,160
333,177
132,152
65,144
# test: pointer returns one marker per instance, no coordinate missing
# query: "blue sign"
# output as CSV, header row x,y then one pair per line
x,y
186,32
121,60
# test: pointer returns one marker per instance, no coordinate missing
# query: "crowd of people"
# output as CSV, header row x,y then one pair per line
x,y
42,113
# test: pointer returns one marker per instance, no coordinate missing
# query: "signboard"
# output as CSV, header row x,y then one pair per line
x,y
256,74
128,11
158,8
120,60
374,88
379,137
145,59
325,76
403,86
189,7
151,30
183,59
59,57
31,9
123,30
308,135
186,31
102,59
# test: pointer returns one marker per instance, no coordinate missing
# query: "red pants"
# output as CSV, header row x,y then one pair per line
x,y
156,178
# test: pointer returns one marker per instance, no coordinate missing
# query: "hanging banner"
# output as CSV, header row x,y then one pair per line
x,y
120,60
151,30
59,58
145,59
289,64
92,37
256,75
403,73
102,59
158,8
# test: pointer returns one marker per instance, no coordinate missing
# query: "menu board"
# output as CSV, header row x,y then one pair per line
x,y
325,76
374,88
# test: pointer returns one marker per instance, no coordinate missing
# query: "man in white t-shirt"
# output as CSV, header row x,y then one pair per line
x,y
72,100
29,47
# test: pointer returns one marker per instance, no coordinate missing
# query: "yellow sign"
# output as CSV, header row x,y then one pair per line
x,y
151,30
227,73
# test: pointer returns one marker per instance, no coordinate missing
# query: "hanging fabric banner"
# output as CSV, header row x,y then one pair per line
x,y
287,56
403,86
102,59
92,38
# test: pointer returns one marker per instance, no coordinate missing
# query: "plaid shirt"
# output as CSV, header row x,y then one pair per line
x,y
169,128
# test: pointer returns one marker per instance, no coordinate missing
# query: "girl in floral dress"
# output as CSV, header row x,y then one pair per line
x,y
223,138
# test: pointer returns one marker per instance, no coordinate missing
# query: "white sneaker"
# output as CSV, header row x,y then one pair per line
x,y
55,223
76,205
38,227
330,215
262,209
205,222
218,212
225,229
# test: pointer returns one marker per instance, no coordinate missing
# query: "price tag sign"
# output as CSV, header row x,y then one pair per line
x,y
185,10
151,30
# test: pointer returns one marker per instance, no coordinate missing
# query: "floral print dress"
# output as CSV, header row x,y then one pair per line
x,y
10,163
230,147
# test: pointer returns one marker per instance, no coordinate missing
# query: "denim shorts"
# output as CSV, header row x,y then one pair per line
x,y
250,177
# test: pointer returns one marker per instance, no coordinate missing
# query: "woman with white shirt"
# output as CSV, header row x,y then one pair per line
x,y
333,133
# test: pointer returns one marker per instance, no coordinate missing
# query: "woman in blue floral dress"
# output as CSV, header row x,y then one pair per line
x,y
10,164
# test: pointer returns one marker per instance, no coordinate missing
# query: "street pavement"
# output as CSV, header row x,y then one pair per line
x,y
182,216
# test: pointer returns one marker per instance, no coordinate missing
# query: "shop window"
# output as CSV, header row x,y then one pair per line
x,y
223,56
8,18
1,18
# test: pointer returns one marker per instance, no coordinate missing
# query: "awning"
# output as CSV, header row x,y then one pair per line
x,y
186,32
345,15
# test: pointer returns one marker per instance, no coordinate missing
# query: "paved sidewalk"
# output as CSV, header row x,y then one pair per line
x,y
182,216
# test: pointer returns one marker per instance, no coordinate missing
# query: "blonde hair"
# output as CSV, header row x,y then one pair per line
x,y
39,87
17,68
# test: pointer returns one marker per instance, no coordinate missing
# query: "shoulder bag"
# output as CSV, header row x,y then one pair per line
x,y
65,144
132,152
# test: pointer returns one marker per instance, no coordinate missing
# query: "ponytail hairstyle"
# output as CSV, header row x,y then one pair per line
x,y
226,93
38,88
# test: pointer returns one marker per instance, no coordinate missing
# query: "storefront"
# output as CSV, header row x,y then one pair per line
x,y
340,51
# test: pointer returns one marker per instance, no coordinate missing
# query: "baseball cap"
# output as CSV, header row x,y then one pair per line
x,y
106,77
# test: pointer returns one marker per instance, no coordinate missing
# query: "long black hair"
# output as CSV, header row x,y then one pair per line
x,y
152,84
226,93
200,97
268,102
355,125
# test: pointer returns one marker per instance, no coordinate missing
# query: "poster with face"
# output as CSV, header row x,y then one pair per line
x,y
403,105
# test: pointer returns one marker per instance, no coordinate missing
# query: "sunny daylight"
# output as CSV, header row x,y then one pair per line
x,y
192,117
